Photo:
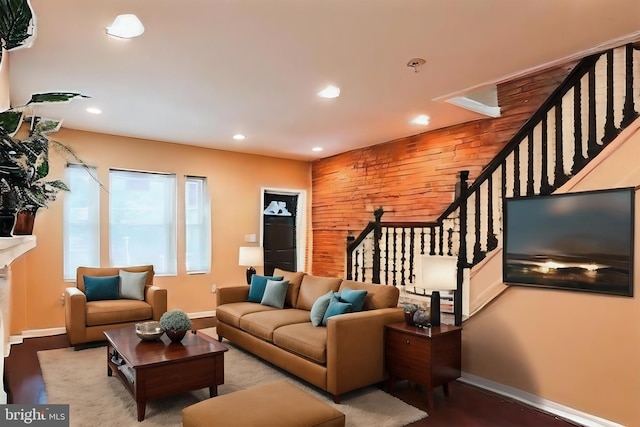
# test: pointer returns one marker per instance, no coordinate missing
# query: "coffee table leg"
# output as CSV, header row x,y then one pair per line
x,y
213,391
141,409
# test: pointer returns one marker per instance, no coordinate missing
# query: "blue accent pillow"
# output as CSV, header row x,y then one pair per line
x,y
258,284
355,297
275,293
101,288
336,307
319,308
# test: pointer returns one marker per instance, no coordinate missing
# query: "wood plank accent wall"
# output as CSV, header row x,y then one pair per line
x,y
413,178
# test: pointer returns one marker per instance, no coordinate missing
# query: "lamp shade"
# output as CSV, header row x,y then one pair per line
x,y
439,272
126,26
250,256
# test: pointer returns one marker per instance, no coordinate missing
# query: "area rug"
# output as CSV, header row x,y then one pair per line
x,y
80,379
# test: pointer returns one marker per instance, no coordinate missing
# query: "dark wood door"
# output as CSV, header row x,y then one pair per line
x,y
279,232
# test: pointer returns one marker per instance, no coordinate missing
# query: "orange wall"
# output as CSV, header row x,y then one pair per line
x,y
4,81
235,182
577,349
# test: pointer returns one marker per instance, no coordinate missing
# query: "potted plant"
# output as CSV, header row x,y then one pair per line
x,y
409,309
24,164
175,323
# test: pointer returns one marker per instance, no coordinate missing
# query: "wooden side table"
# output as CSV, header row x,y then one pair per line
x,y
429,357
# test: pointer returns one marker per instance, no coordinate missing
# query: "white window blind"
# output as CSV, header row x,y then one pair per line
x,y
197,225
142,220
81,226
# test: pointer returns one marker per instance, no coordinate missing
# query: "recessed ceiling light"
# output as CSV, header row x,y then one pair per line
x,y
94,110
239,137
422,119
329,92
316,149
126,26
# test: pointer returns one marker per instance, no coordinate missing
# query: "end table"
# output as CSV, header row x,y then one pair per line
x,y
427,356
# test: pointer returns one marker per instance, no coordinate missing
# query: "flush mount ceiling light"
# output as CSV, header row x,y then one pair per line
x,y
317,149
126,26
239,137
422,119
94,110
329,92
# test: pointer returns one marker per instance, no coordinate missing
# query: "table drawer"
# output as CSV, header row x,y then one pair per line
x,y
408,357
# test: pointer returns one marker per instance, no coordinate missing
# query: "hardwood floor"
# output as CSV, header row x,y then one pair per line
x,y
466,406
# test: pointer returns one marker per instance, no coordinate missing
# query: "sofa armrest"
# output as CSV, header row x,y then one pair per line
x,y
355,348
229,294
75,314
157,298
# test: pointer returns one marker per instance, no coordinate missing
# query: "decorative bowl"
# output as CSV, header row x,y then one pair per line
x,y
149,331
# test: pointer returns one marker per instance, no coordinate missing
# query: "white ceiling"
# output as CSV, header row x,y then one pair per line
x,y
205,70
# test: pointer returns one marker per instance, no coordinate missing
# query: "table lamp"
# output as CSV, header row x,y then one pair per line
x,y
439,273
250,256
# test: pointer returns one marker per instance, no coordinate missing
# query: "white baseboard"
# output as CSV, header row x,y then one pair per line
x,y
200,314
545,405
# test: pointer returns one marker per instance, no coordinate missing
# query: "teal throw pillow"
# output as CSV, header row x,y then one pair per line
x,y
275,293
258,284
336,307
319,307
355,297
132,284
101,288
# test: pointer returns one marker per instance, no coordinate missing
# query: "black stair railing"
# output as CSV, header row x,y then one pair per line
x,y
597,100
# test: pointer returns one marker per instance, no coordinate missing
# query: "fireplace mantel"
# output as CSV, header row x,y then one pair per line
x,y
10,249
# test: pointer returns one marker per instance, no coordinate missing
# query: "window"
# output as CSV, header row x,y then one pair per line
x,y
197,225
81,220
142,220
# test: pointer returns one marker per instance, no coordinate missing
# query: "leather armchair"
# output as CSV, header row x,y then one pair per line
x,y
86,321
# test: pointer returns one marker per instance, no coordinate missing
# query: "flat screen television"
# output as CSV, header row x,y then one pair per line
x,y
577,241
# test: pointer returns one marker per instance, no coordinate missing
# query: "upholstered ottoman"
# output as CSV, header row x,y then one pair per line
x,y
275,404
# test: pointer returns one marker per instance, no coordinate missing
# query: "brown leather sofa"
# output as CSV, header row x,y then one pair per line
x,y
345,355
86,321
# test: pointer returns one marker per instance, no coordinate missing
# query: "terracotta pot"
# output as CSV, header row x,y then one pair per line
x,y
175,336
24,223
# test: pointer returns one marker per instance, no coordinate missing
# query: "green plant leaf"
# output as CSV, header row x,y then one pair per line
x,y
41,98
10,121
17,27
46,126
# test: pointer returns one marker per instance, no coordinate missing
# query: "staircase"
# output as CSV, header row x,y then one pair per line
x,y
597,101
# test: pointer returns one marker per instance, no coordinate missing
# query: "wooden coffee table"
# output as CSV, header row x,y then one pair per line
x,y
161,368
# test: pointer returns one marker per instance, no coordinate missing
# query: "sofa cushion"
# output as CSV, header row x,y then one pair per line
x,y
378,296
132,284
232,313
117,311
353,297
303,339
274,293
319,308
102,288
258,285
336,307
262,324
295,279
313,287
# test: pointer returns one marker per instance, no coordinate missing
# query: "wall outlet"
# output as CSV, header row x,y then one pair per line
x,y
214,288
62,298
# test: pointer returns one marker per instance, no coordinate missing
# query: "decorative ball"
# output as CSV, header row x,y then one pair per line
x,y
422,318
